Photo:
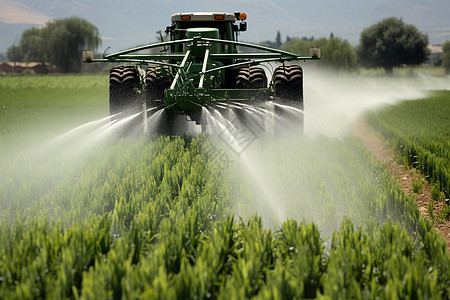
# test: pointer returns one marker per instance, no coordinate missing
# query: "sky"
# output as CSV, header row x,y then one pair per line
x,y
125,24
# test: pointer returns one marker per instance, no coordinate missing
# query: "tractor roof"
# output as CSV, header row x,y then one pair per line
x,y
203,16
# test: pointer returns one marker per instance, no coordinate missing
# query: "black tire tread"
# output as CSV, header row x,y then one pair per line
x,y
123,82
288,83
251,78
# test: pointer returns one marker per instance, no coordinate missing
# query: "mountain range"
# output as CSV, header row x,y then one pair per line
x,y
124,24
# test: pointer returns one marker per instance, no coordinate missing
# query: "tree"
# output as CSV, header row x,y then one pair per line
x,y
273,44
14,54
60,42
390,43
33,46
298,46
337,54
278,40
446,57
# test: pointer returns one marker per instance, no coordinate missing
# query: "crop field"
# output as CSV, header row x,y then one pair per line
x,y
37,107
86,215
420,131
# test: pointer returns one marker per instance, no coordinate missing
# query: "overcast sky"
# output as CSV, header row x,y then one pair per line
x,y
124,24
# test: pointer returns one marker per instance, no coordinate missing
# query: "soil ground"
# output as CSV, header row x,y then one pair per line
x,y
404,175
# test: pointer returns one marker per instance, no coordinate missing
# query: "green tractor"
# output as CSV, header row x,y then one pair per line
x,y
205,67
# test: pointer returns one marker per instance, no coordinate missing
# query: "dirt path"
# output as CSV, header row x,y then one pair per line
x,y
374,142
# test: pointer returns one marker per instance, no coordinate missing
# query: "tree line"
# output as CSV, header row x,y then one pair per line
x,y
59,42
386,44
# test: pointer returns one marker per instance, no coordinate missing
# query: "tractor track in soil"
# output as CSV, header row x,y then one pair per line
x,y
374,142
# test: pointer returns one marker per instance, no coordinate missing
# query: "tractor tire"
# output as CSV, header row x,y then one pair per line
x,y
288,83
123,82
251,78
230,78
288,92
155,85
124,101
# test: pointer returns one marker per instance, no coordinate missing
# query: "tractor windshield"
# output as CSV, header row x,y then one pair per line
x,y
225,28
226,32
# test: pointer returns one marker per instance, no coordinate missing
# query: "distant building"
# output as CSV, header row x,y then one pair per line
x,y
435,49
20,67
435,56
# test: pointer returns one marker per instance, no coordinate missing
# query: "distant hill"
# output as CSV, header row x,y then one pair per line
x,y
124,24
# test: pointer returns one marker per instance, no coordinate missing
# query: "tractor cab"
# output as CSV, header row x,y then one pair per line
x,y
210,25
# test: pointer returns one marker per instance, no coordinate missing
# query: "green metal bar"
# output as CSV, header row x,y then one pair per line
x,y
250,46
227,95
145,47
244,55
125,56
222,56
249,62
145,58
171,56
205,63
177,76
142,61
256,62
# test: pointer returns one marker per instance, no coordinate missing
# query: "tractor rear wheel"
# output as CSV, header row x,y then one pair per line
x,y
252,77
155,85
288,83
124,82
288,92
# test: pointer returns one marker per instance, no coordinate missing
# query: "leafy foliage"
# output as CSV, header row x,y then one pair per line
x,y
420,131
390,43
59,42
337,54
151,218
446,57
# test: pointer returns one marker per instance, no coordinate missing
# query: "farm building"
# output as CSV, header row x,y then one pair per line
x,y
435,55
20,67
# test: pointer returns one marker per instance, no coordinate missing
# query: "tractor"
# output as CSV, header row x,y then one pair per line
x,y
203,67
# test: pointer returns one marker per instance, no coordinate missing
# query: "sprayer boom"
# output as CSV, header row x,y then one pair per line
x,y
203,63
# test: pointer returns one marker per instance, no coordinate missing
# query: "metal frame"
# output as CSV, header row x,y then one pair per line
x,y
182,90
272,55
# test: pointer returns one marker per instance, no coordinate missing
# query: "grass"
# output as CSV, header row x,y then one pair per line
x,y
417,185
436,192
39,107
420,131
404,71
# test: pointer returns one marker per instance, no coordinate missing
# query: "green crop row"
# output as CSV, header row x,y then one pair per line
x,y
85,216
420,131
151,219
231,261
